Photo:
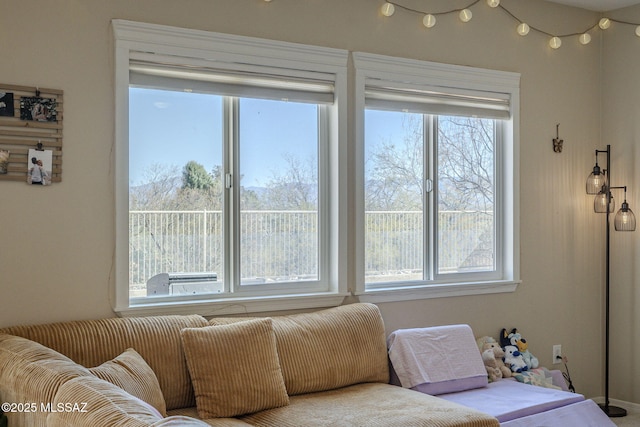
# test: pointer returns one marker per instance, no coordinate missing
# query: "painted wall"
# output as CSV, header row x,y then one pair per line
x,y
621,129
57,243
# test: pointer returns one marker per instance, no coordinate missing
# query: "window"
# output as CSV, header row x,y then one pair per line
x,y
437,199
227,157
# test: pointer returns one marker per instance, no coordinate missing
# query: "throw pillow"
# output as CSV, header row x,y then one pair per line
x,y
234,368
130,372
539,376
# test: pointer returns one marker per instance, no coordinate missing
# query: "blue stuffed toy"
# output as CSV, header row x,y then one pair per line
x,y
515,339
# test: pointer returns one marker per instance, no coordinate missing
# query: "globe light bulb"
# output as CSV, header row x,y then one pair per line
x,y
555,42
523,29
429,21
638,31
388,9
465,15
585,38
604,23
493,3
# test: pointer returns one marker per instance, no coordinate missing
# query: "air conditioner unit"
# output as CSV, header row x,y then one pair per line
x,y
183,284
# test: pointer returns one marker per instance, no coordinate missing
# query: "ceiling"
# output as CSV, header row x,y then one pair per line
x,y
598,5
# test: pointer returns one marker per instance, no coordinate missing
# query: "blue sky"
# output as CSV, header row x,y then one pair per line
x,y
171,128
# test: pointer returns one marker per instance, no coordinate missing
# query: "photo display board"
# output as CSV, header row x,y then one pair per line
x,y
30,128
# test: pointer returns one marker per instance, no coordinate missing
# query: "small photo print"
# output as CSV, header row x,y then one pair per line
x,y
39,167
4,161
38,109
6,104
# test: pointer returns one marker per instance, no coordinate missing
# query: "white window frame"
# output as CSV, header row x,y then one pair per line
x,y
424,75
133,39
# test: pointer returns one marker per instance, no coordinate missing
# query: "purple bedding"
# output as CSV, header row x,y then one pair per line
x,y
507,399
583,414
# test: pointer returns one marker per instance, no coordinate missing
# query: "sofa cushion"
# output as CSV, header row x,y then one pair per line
x,y
330,348
130,372
100,403
371,405
155,338
234,368
32,373
214,422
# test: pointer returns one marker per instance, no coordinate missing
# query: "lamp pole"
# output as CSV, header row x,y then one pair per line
x,y
611,411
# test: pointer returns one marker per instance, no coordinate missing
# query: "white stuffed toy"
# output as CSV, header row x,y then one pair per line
x,y
514,360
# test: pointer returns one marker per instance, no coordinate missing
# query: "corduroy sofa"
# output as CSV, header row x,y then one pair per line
x,y
327,368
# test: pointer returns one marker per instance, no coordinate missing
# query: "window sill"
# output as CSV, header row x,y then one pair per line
x,y
394,294
244,305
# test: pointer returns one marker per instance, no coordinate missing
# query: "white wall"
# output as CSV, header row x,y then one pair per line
x,y
57,243
621,129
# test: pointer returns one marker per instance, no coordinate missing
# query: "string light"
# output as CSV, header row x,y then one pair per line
x,y
429,20
388,9
465,14
523,29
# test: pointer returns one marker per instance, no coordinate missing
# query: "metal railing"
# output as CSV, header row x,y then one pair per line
x,y
284,244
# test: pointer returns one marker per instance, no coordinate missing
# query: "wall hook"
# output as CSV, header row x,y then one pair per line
x,y
557,142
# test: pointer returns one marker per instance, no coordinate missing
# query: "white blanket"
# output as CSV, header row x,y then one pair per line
x,y
444,355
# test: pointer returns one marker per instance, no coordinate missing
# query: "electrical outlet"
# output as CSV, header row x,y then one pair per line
x,y
557,354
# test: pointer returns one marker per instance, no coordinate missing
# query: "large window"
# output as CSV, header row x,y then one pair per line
x,y
437,187
231,149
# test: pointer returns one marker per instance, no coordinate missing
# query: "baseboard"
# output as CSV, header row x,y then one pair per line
x,y
632,408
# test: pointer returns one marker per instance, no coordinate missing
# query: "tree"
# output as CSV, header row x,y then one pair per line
x,y
465,166
465,161
195,176
294,187
394,178
158,190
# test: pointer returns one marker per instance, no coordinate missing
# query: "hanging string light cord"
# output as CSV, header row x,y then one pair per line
x,y
523,28
408,9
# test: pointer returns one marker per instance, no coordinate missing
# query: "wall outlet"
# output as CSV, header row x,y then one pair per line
x,y
557,354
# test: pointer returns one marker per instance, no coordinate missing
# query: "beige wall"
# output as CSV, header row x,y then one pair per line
x,y
621,128
57,243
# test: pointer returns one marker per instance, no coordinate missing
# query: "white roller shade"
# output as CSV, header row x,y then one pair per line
x,y
252,83
396,96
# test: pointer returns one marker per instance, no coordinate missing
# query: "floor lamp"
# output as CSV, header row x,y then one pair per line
x,y
599,183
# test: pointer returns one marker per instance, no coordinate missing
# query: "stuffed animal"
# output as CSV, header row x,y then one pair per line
x,y
514,360
514,338
486,344
491,365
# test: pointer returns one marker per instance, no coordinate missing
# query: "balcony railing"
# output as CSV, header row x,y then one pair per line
x,y
284,244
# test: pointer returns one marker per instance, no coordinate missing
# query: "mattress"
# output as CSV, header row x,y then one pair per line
x,y
507,400
584,414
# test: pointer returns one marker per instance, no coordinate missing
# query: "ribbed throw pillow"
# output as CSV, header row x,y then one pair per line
x,y
234,368
130,372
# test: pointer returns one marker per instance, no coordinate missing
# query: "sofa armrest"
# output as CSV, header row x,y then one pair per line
x,y
90,401
31,373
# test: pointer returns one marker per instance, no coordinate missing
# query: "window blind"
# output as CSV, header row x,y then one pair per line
x,y
254,82
396,96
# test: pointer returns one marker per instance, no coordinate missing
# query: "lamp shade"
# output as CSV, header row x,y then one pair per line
x,y
596,180
625,219
600,203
